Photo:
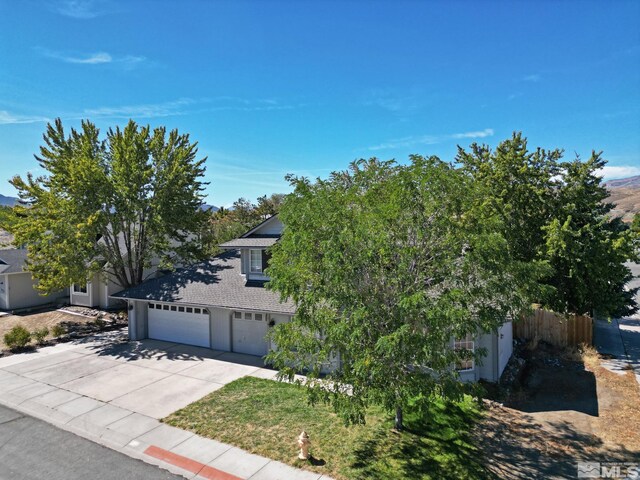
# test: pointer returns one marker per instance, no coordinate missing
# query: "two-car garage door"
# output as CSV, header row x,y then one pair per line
x,y
179,324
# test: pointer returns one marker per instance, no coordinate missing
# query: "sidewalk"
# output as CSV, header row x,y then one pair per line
x,y
134,434
619,340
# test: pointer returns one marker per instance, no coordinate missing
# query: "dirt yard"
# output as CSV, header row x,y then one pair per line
x,y
49,318
568,409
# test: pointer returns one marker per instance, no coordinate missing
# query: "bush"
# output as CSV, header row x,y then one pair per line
x,y
40,335
58,330
17,337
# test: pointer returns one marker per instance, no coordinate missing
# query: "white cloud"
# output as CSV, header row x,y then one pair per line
x,y
405,142
611,172
536,77
148,110
96,58
7,118
80,9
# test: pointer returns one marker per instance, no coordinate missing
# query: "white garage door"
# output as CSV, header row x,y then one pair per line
x,y
179,324
249,333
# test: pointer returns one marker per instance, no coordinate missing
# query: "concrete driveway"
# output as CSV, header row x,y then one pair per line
x,y
149,377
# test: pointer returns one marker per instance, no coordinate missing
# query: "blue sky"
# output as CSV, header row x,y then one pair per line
x,y
269,88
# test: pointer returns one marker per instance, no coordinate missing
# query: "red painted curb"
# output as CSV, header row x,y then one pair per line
x,y
185,463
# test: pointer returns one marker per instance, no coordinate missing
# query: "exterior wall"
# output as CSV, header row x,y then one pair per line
x,y
272,227
486,368
138,320
4,292
89,299
20,292
220,328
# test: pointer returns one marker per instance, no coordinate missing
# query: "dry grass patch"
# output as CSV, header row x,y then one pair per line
x,y
37,321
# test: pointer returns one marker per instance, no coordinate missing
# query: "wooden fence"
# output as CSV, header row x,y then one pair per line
x,y
555,329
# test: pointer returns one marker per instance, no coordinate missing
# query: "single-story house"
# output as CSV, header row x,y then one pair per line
x,y
17,286
222,304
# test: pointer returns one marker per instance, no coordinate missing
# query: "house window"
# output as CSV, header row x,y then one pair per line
x,y
468,344
151,306
237,315
247,316
189,310
165,307
84,288
257,316
255,263
173,308
196,310
181,309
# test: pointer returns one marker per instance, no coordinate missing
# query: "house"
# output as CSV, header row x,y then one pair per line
x,y
17,286
222,304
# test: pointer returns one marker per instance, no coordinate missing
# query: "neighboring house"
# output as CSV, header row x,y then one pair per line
x,y
17,286
222,304
97,291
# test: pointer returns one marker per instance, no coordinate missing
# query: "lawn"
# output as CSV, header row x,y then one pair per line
x,y
265,417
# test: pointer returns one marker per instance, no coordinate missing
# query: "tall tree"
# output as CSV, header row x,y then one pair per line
x,y
388,264
555,216
117,202
587,247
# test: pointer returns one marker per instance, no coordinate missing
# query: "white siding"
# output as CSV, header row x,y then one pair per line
x,y
220,329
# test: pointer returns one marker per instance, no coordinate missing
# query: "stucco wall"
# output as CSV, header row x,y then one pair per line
x,y
21,292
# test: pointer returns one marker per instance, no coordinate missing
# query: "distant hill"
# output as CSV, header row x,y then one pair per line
x,y
209,208
8,201
625,194
630,182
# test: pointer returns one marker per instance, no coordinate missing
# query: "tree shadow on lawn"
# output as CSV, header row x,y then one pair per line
x,y
437,444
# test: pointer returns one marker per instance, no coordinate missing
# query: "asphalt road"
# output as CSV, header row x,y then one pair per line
x,y
31,449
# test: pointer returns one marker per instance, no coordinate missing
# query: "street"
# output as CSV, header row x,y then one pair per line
x,y
31,449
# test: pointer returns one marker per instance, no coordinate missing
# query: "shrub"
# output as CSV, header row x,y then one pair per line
x,y
40,335
58,330
17,337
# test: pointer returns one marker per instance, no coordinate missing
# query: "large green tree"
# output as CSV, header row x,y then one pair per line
x,y
587,247
110,204
388,264
555,215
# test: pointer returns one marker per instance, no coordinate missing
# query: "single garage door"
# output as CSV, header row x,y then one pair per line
x,y
249,333
179,324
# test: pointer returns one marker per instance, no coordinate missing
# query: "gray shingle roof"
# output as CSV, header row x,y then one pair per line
x,y
257,241
215,283
13,260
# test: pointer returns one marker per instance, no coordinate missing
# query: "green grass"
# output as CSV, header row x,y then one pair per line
x,y
265,417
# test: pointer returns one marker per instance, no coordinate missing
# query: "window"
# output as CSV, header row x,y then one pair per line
x,y
151,306
196,310
173,308
255,261
181,309
468,344
258,316
237,315
247,316
189,310
80,288
165,307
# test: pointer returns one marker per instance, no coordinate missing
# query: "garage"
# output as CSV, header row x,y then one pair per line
x,y
179,324
248,332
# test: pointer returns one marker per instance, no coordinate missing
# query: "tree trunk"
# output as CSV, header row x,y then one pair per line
x,y
399,425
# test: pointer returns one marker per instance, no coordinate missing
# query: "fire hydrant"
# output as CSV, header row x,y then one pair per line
x,y
303,443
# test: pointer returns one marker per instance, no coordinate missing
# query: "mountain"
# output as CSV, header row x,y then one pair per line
x,y
630,182
625,194
8,201
209,208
